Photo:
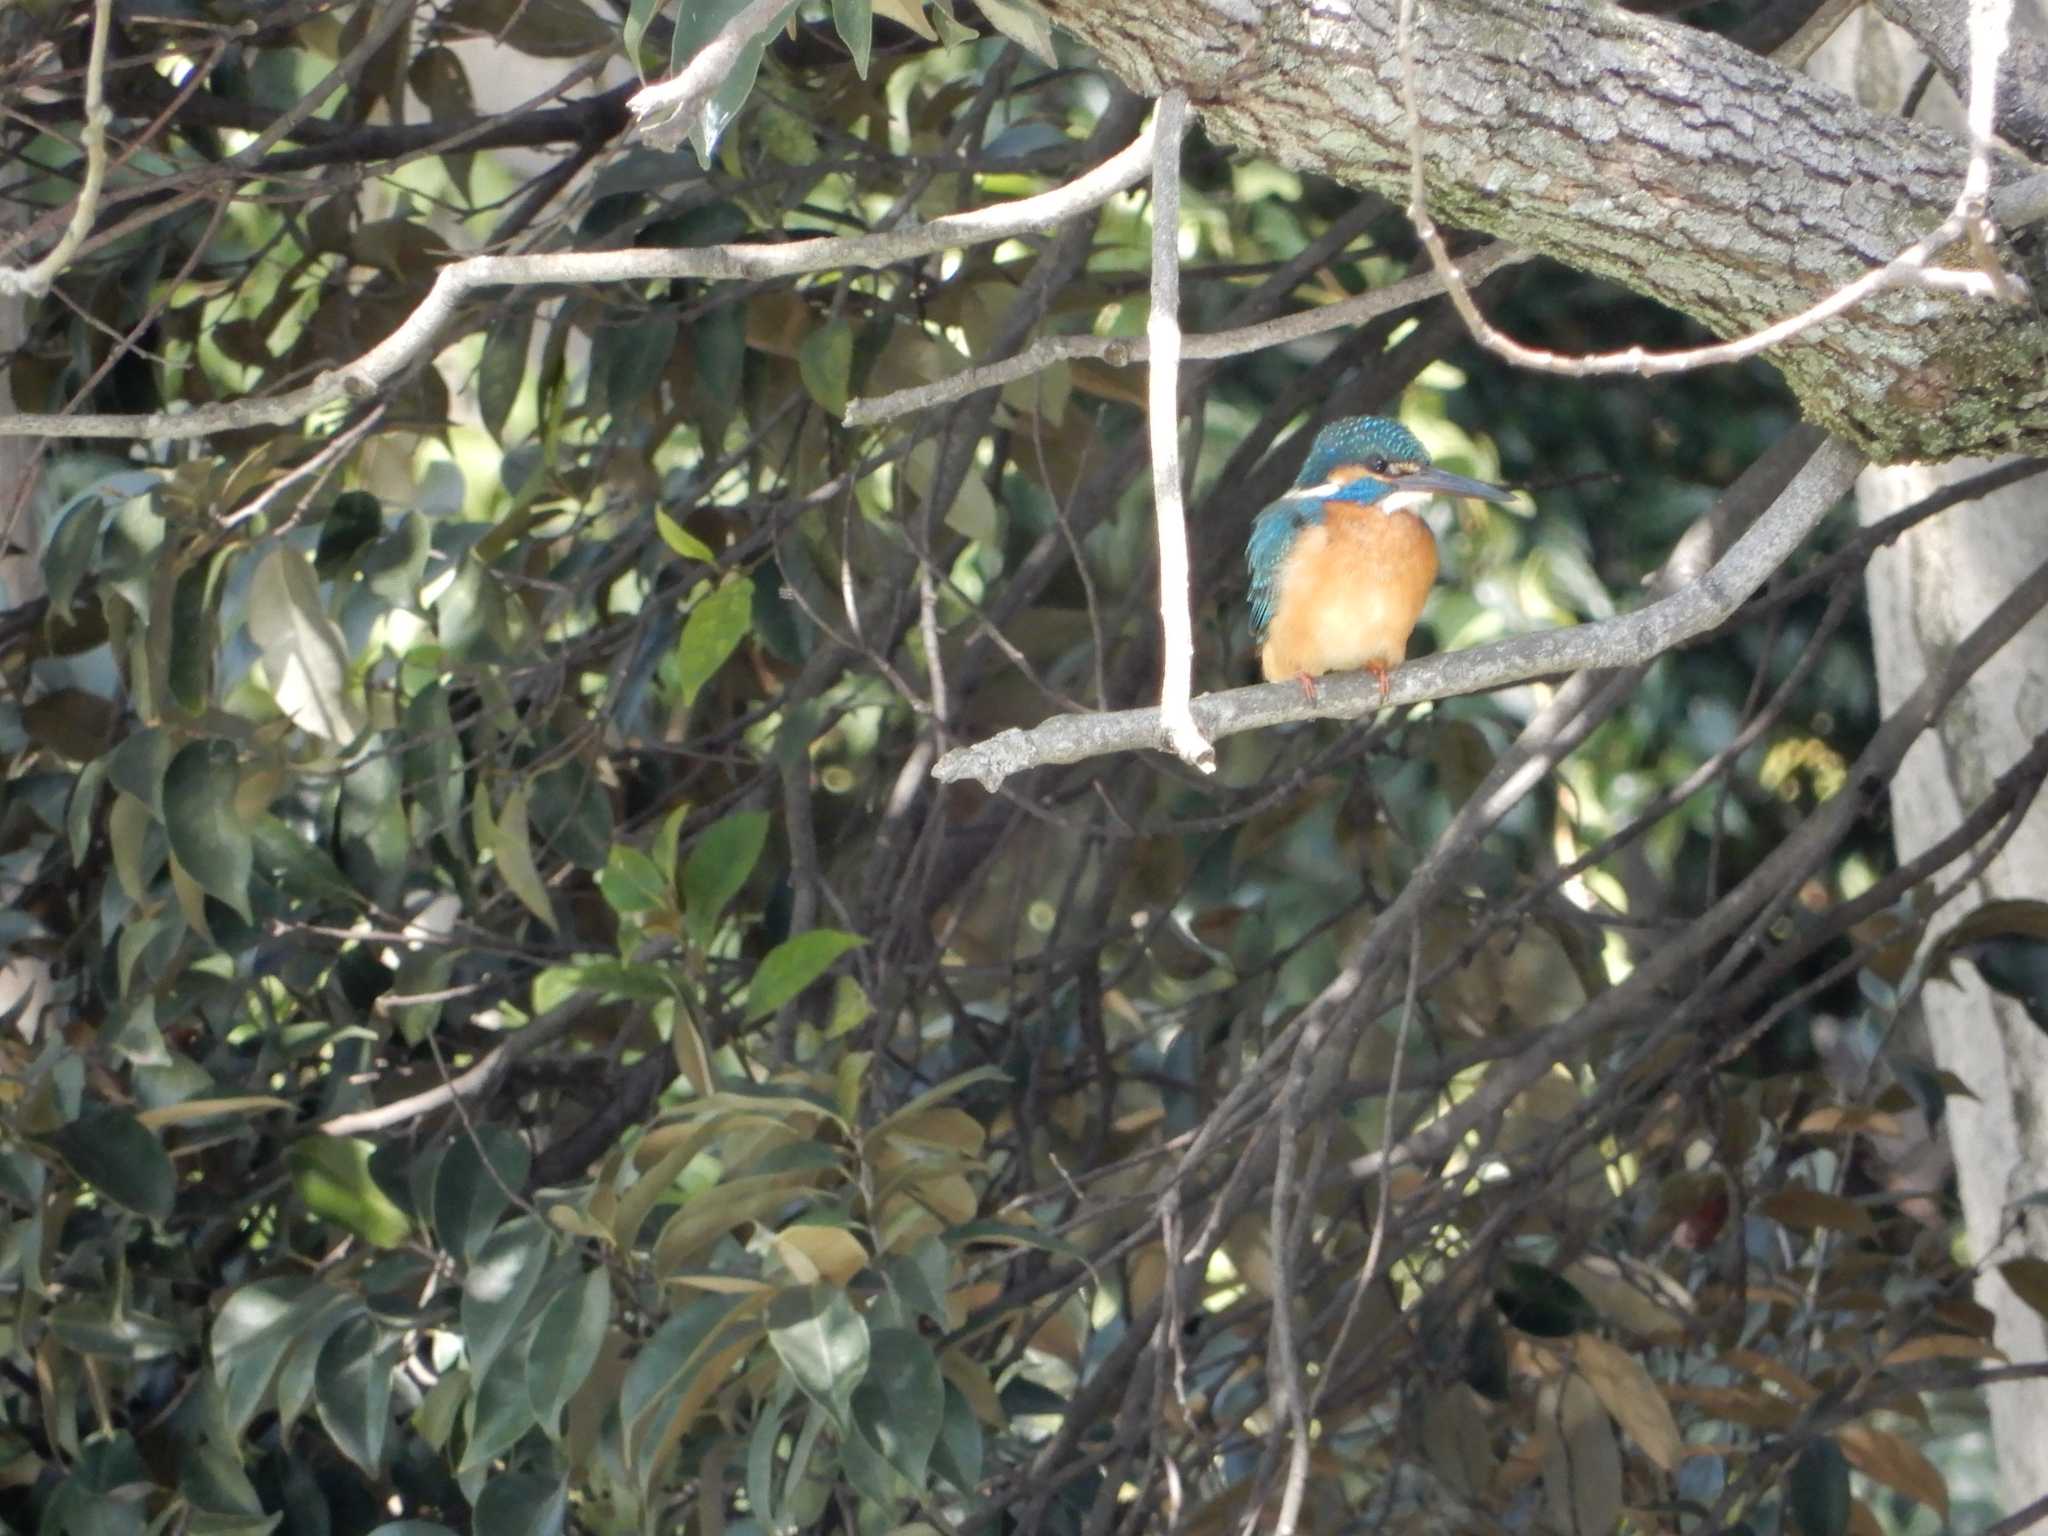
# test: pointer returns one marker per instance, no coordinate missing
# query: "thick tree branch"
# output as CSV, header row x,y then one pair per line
x,y
1618,642
1658,156
1968,220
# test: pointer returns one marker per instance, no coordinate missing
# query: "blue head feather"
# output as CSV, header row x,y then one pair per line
x,y
1355,440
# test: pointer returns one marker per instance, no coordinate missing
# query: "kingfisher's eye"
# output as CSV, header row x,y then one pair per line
x,y
1377,464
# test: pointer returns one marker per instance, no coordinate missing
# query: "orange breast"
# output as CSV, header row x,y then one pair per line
x,y
1349,593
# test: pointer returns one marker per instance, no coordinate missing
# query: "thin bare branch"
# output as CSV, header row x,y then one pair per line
x,y
34,281
1618,642
1162,329
1121,351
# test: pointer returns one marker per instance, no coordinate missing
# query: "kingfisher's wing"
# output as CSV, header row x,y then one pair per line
x,y
1265,555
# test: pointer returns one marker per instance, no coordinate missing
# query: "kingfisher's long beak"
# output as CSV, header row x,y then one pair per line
x,y
1408,488
1431,481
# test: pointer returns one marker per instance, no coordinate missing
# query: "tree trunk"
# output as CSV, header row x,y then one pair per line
x,y
1645,151
1934,586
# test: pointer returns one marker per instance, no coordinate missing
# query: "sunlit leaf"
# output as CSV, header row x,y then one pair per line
x,y
716,625
855,23
720,860
512,851
332,1176
793,965
822,1342
1629,1394
681,540
303,650
826,362
631,883
1023,23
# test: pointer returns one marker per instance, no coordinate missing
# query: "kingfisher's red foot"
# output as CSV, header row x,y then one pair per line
x,y
1379,670
1308,687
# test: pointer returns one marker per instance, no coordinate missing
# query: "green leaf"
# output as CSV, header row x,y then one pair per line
x,y
952,30
665,1363
521,1504
713,631
631,882
393,567
297,867
433,762
627,360
110,1150
494,1417
257,1324
78,812
638,15
822,1342
566,1345
352,1391
681,540
720,861
206,832
855,20
473,1186
921,1278
94,1328
75,534
138,764
1817,1492
352,522
304,654
719,345
571,814
500,1283
957,1457
1024,24
900,1403
298,1370
825,362
371,838
502,368
332,1175
193,641
512,848
793,965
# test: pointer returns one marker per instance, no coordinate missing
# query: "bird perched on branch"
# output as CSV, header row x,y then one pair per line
x,y
1341,565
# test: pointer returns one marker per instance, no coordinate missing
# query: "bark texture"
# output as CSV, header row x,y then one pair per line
x,y
1662,157
1933,587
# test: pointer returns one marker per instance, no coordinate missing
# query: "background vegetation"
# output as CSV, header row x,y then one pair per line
x,y
509,1035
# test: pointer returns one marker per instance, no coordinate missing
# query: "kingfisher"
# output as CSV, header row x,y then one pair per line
x,y
1341,565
